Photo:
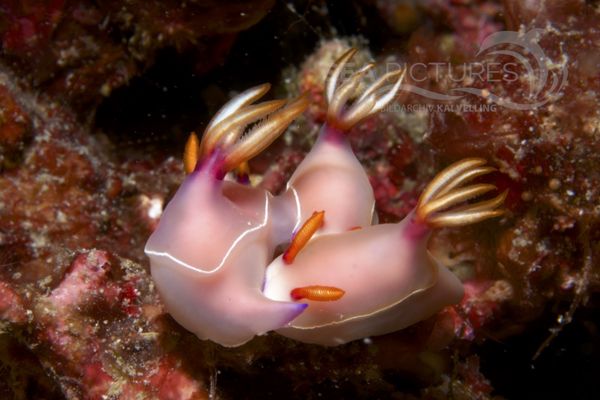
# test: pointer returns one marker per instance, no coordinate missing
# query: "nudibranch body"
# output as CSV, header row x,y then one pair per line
x,y
389,283
388,277
340,278
330,178
210,249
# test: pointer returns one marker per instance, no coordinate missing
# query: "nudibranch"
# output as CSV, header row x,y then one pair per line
x,y
330,178
341,278
209,251
381,278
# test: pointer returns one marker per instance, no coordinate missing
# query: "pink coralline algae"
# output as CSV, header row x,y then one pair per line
x,y
79,314
74,318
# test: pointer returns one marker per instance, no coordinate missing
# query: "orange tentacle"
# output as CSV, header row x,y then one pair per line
x,y
317,293
242,173
303,236
190,154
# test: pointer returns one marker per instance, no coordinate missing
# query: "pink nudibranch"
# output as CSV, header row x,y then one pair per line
x,y
389,278
212,253
200,263
210,249
330,171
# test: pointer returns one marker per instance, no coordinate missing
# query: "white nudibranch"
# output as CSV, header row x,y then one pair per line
x,y
340,278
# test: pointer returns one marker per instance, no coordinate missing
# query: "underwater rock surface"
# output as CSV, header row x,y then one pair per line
x,y
79,196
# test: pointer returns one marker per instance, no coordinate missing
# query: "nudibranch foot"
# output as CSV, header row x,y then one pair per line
x,y
436,204
343,116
